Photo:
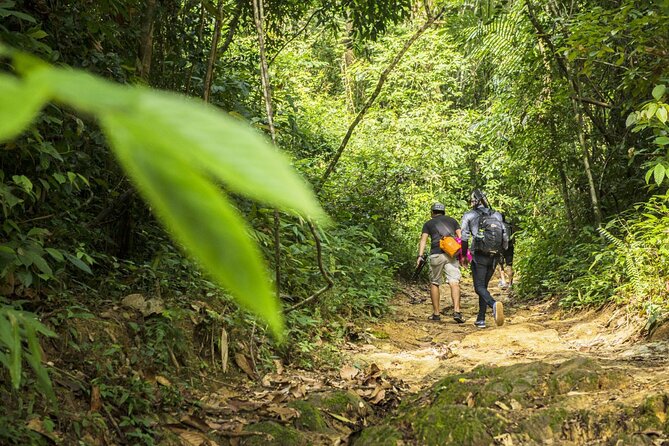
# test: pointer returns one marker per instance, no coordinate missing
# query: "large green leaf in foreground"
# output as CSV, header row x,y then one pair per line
x,y
175,149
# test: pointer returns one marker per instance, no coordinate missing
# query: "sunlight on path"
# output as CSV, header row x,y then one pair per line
x,y
419,352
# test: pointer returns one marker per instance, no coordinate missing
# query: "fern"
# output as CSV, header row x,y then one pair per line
x,y
626,251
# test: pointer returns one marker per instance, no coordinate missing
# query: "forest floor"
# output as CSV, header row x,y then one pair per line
x,y
544,377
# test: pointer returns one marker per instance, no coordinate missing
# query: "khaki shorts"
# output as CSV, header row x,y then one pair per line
x,y
442,264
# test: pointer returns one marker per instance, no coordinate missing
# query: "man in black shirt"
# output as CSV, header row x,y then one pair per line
x,y
441,263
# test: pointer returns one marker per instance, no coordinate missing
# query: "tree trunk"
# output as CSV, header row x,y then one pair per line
x,y
200,48
258,16
209,75
146,47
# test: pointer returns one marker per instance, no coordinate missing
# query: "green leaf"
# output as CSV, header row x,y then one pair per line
x,y
659,174
39,262
56,254
23,182
14,346
38,34
78,263
35,360
631,119
658,91
648,175
197,133
199,215
19,104
662,140
661,114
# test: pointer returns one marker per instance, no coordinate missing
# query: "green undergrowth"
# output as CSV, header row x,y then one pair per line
x,y
624,262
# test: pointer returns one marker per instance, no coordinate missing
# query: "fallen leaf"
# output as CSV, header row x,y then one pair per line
x,y
515,405
163,381
470,400
339,417
190,438
285,413
279,367
348,372
37,425
197,423
96,400
501,405
243,364
224,350
379,396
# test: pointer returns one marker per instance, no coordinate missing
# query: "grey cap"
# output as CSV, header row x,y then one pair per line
x,y
438,207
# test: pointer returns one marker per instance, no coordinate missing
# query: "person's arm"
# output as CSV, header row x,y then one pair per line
x,y
458,233
464,236
421,247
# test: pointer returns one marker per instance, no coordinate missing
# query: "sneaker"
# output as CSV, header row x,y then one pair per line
x,y
498,313
434,317
480,324
458,317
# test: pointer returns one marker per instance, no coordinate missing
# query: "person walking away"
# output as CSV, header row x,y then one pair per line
x,y
441,225
506,258
484,227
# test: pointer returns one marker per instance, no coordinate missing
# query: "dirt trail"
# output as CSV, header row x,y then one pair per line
x,y
545,377
409,347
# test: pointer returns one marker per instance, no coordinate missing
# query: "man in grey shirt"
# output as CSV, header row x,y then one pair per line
x,y
483,261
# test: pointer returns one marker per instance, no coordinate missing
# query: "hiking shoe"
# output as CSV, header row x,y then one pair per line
x,y
458,317
480,324
498,313
434,317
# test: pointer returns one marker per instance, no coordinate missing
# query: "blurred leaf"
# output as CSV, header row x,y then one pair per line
x,y
196,211
658,91
19,104
231,151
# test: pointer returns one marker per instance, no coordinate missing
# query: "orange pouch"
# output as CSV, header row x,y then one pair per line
x,y
449,246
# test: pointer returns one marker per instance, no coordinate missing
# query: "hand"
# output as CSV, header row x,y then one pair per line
x,y
419,260
464,261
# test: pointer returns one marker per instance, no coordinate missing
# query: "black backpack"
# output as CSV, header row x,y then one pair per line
x,y
489,239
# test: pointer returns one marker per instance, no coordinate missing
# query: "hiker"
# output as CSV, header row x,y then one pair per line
x,y
486,230
506,258
438,226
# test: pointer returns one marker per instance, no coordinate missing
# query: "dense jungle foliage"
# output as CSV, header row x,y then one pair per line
x,y
557,109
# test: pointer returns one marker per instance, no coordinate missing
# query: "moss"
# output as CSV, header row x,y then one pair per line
x,y
545,424
280,435
310,417
488,385
457,425
584,375
379,436
652,414
338,402
379,334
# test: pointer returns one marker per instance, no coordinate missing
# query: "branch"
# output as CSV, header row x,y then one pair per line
x,y
295,36
592,101
373,97
324,273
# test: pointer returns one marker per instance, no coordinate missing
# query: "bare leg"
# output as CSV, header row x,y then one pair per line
x,y
455,295
510,282
502,274
434,295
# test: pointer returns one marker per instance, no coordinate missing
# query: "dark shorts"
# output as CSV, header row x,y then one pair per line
x,y
506,259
